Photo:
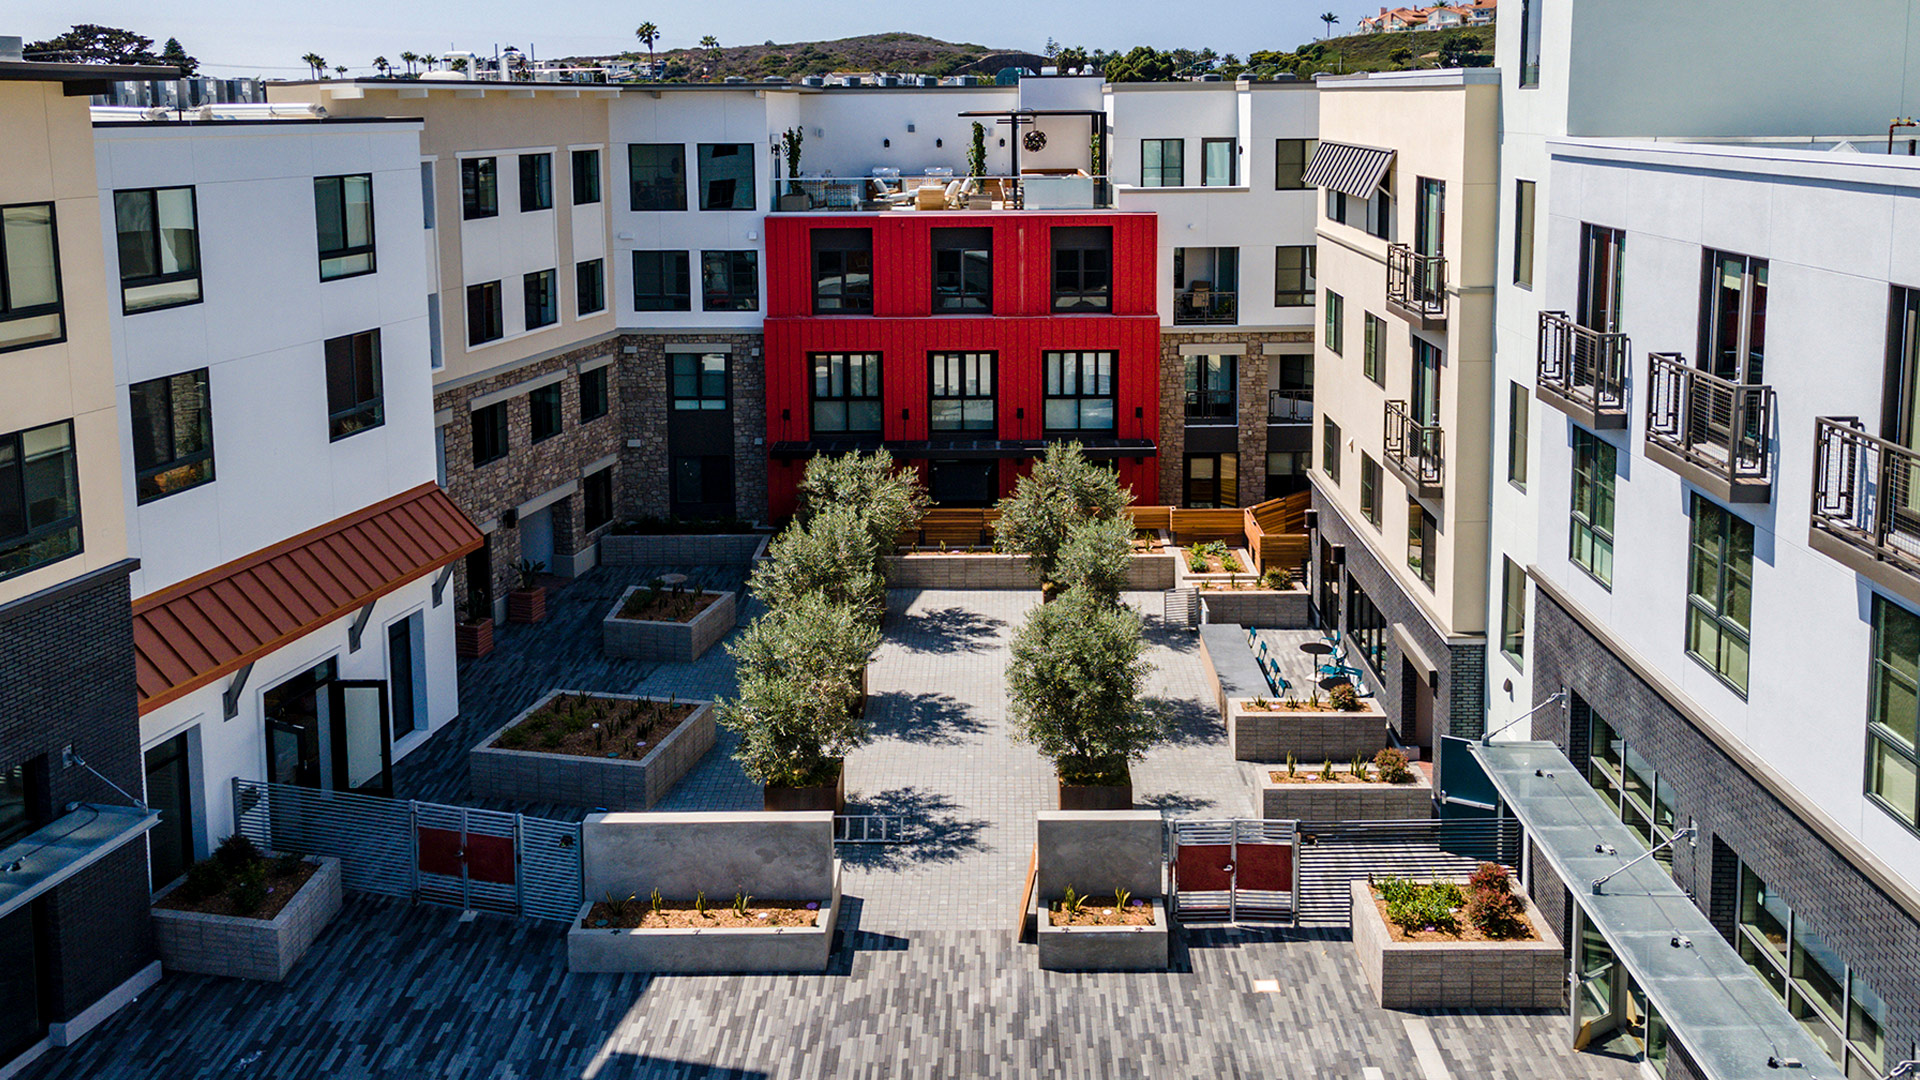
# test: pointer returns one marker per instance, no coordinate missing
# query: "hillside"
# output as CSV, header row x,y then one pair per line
x,y
900,53
1378,52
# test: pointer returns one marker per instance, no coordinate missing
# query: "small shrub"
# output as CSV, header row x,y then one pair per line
x,y
287,865
1277,578
513,738
1437,913
1196,562
249,889
1326,771
1393,766
236,853
1395,888
1071,902
204,879
1345,698
1120,897
740,901
1447,893
1358,766
552,738
1491,876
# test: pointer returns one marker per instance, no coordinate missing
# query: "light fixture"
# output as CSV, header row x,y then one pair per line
x,y
886,142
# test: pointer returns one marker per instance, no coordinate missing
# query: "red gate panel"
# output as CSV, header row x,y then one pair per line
x,y
1265,868
489,859
439,851
1204,868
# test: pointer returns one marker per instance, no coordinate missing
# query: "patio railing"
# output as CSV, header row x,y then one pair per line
x,y
1205,307
1713,424
1414,450
1416,284
1290,406
1866,495
940,190
1584,368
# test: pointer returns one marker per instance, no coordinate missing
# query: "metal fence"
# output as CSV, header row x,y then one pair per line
x,y
1335,853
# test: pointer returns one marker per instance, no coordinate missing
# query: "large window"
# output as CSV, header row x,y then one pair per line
x,y
589,287
1079,392
542,293
1513,611
1603,262
479,188
545,411
1374,214
1219,162
963,271
1423,552
1519,412
660,281
39,498
1290,160
1370,489
699,381
1733,317
1373,351
29,277
1720,591
1591,531
536,182
1523,233
1366,628
1530,42
490,441
484,319
730,280
1294,271
593,393
354,402
1210,385
159,243
1336,333
343,208
596,499
586,177
657,176
1838,1007
846,393
842,271
726,176
1163,163
961,392
172,434
1629,784
1893,712
1083,268
1330,448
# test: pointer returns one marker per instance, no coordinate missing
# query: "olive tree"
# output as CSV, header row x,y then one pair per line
x,y
888,500
1074,686
832,554
1096,556
798,669
1063,490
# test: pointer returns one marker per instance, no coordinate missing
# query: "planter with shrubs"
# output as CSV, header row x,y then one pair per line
x,y
528,603
1445,945
1383,788
615,751
656,621
245,913
1334,727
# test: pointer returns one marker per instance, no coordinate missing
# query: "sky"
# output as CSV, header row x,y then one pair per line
x,y
268,37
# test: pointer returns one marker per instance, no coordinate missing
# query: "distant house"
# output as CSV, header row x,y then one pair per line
x,y
1394,20
1443,18
1438,17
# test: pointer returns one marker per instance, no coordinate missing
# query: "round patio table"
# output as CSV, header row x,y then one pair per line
x,y
1317,648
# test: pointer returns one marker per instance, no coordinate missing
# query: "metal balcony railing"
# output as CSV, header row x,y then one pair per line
x,y
1585,369
1416,284
1290,406
1866,495
1416,451
1719,427
1204,307
940,190
1210,405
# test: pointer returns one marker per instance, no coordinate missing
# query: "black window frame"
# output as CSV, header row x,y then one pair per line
x,y
1370,489
693,387
675,295
1519,434
1595,469
1083,264
595,393
1367,628
479,188
348,250
1179,163
366,409
491,426
1373,348
1306,274
57,308
492,325
662,192
1334,333
589,279
586,175
1284,167
1900,749
542,288
948,381
1530,44
872,381
536,181
1720,549
740,272
1525,220
546,411
1513,612
1206,401
147,281
1233,161
25,537
1423,537
740,200
839,256
155,477
1054,366
962,278
1330,448
596,499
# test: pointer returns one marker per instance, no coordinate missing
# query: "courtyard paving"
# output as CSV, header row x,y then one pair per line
x,y
927,980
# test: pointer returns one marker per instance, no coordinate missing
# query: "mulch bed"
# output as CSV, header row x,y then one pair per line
x,y
1217,565
638,914
666,607
1467,932
1092,915
280,892
1311,775
629,730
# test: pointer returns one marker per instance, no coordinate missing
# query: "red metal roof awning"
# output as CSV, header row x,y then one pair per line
x,y
192,633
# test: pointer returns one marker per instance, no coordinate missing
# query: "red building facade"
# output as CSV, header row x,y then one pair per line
x,y
962,342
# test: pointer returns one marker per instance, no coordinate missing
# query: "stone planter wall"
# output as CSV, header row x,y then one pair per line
x,y
710,951
1103,948
993,571
1345,802
1096,852
1458,974
243,948
1309,736
1257,607
682,550
639,639
611,783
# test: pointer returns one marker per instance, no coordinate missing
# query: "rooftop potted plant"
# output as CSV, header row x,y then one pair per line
x,y
796,196
528,603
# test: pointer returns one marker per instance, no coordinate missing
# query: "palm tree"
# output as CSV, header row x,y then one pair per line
x,y
409,58
381,65
341,70
314,62
648,34
712,45
1329,18
427,60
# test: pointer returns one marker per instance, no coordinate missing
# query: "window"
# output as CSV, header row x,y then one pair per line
x,y
593,393
1373,354
1330,448
1424,392
730,280
1083,268
1733,317
699,381
1523,233
963,271
1629,784
1893,712
726,176
479,188
1375,216
1370,489
842,271
1513,611
343,207
544,408
660,281
1602,268
1163,162
1430,218
354,403
484,319
436,356
586,177
39,498
1293,275
17,805
172,434
426,194
1530,43
1335,336
1720,591
1519,406
703,484
962,392
846,393
1290,160
30,311
657,176
543,300
1591,544
1423,554
1836,1004
1219,162
490,433
536,182
596,499
589,287
1079,391
1366,627
1210,383
159,241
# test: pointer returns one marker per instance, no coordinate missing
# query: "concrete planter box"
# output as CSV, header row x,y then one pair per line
x,y
645,639
681,549
1308,735
1345,802
1103,948
781,799
709,951
571,780
1275,609
1458,974
243,948
993,571
1096,796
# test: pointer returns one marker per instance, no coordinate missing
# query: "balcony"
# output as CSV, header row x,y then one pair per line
x,y
1290,406
941,190
1712,432
1211,407
1866,504
1583,372
1417,287
1202,306
1416,452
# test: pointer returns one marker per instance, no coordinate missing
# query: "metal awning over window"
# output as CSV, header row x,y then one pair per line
x,y
62,848
1727,1019
1348,168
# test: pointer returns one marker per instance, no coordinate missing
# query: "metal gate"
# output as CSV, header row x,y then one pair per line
x,y
1237,869
1333,854
479,860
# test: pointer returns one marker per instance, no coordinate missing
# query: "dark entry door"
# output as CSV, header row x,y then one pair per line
x,y
362,737
1212,480
169,791
297,739
961,483
22,1016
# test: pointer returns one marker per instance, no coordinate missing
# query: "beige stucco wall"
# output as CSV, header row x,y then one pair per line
x,y
52,139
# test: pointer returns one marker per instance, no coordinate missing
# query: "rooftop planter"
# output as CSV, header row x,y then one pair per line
x,y
682,543
651,622
1235,594
603,750
705,935
1307,729
209,924
1465,969
1329,792
1102,933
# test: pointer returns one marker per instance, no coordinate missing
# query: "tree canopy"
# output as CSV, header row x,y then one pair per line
x,y
89,43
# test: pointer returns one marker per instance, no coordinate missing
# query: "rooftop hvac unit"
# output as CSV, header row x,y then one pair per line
x,y
736,78
813,80
889,80
775,80
926,80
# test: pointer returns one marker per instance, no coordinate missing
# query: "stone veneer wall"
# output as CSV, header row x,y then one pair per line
x,y
643,387
1252,385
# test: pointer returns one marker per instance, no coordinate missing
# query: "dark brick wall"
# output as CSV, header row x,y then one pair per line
x,y
1550,896
66,679
1737,817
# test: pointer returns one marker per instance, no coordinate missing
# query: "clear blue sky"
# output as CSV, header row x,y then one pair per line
x,y
268,37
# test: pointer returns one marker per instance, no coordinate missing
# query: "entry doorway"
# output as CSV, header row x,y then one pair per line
x,y
170,793
1610,1011
1417,729
536,539
23,1013
1212,481
327,733
962,483
407,673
